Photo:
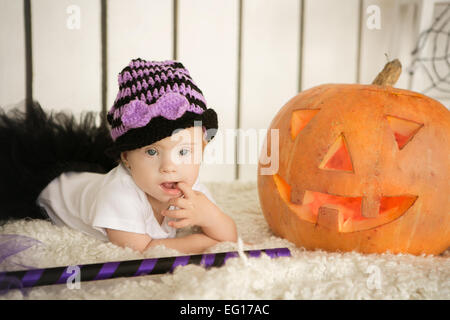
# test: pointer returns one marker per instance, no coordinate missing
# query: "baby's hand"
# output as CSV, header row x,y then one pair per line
x,y
195,209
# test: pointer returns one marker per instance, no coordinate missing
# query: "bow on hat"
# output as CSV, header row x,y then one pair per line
x,y
171,106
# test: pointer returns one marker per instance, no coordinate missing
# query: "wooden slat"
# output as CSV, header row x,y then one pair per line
x,y
66,59
12,53
330,42
137,28
207,46
395,38
270,64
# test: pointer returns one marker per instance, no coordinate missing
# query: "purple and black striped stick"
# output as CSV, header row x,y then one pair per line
x,y
128,268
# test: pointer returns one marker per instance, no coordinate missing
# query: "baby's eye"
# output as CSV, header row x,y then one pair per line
x,y
184,152
151,152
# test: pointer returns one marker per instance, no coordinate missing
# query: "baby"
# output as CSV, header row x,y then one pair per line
x,y
159,127
166,172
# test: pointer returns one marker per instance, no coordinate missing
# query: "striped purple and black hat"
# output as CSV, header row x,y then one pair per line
x,y
154,100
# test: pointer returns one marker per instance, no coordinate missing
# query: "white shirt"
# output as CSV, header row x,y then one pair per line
x,y
91,202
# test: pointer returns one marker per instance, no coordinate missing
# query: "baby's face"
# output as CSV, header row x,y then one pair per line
x,y
157,168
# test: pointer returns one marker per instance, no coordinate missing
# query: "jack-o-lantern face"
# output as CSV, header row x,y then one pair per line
x,y
361,168
346,213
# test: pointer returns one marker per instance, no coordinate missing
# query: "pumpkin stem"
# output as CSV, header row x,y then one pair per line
x,y
390,74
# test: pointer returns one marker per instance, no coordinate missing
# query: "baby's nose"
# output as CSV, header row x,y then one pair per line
x,y
168,165
167,169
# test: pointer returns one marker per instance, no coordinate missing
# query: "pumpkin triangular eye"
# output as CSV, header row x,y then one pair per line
x,y
337,157
404,130
299,119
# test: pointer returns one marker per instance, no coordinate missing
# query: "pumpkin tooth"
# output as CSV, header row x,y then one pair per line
x,y
330,217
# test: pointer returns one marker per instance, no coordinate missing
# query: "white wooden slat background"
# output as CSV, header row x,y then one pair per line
x,y
137,28
270,66
208,46
12,52
330,42
398,41
245,55
66,62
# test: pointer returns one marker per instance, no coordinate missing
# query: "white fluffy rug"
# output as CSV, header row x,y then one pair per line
x,y
305,275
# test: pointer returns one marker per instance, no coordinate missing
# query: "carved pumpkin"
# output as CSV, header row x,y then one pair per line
x,y
361,167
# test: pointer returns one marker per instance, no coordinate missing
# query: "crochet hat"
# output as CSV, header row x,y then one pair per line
x,y
155,99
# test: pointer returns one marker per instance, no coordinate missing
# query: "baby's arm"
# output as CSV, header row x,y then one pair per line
x,y
218,225
193,243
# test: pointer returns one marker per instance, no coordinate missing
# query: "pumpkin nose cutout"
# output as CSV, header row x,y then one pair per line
x,y
337,157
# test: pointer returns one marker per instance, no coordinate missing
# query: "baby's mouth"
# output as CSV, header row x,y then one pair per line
x,y
170,187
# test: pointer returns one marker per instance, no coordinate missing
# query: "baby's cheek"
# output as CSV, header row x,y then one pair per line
x,y
146,183
191,175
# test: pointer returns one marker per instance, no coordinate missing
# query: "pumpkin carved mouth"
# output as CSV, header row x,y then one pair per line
x,y
342,213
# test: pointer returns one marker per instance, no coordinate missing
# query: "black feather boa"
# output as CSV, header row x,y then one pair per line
x,y
37,146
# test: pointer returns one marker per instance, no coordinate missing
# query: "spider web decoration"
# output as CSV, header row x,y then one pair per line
x,y
432,54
